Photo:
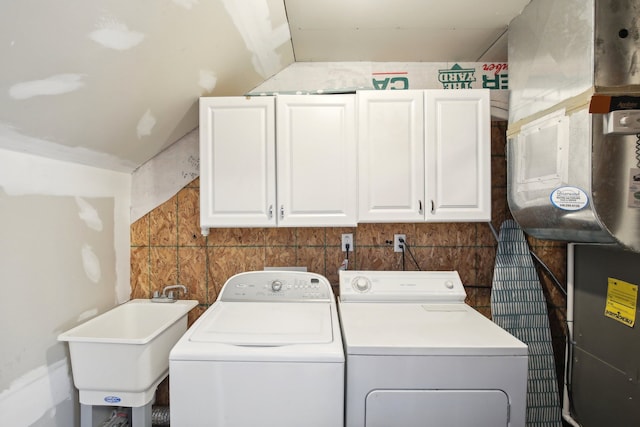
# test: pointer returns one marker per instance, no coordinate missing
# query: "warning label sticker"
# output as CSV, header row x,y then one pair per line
x,y
622,300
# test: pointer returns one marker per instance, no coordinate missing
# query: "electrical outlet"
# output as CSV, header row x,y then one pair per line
x,y
397,246
347,238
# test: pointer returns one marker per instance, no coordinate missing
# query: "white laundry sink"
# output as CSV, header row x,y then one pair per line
x,y
120,357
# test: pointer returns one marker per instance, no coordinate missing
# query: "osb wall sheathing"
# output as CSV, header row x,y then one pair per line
x,y
167,248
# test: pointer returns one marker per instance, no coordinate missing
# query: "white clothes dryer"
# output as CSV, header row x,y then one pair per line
x,y
268,352
417,355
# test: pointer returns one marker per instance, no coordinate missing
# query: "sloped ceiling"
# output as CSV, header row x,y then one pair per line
x,y
401,30
111,83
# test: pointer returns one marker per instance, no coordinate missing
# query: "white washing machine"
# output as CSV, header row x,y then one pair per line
x,y
268,352
417,355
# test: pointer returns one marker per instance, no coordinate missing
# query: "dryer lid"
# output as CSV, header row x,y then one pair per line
x,y
266,324
423,329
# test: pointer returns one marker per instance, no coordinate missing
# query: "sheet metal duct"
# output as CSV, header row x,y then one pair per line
x,y
572,150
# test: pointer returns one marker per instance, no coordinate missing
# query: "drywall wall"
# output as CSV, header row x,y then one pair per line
x,y
64,257
162,177
111,83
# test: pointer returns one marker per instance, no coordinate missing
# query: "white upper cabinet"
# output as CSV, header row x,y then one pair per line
x,y
237,162
458,153
390,156
312,141
316,157
293,160
424,156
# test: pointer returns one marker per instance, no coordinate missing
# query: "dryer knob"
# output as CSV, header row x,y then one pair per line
x,y
361,284
276,286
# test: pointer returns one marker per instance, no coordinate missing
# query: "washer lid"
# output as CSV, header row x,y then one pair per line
x,y
423,329
266,324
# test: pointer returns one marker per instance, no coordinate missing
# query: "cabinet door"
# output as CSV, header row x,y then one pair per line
x,y
237,162
390,156
458,155
316,160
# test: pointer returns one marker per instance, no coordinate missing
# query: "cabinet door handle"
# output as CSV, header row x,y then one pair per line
x,y
433,207
282,212
270,211
420,207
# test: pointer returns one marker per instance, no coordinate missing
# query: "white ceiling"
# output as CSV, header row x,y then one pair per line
x,y
401,30
111,83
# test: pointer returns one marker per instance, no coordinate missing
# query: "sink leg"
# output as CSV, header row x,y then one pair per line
x,y
86,415
141,416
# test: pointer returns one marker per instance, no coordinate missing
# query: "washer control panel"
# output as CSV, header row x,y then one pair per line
x,y
440,286
276,286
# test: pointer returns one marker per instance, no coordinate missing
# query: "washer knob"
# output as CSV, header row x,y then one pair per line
x,y
276,286
361,284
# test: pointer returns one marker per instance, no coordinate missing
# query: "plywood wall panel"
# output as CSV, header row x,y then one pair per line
x,y
188,217
163,224
140,287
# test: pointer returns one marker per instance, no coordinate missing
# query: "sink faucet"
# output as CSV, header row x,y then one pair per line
x,y
170,296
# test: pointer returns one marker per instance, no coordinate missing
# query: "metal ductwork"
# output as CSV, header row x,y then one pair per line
x,y
574,119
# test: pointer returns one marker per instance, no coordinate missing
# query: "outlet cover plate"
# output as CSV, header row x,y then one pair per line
x,y
347,238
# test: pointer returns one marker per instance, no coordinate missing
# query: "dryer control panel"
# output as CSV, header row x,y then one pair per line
x,y
276,286
427,286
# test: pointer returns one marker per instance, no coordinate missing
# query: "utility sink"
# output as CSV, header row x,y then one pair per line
x,y
118,358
